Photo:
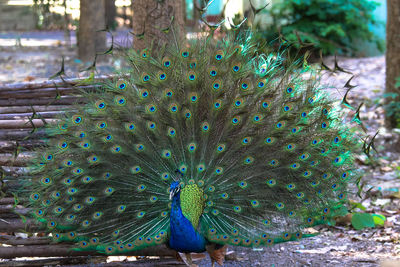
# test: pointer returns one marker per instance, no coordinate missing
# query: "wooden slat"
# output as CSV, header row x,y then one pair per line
x,y
50,89
7,200
25,123
83,261
48,84
14,241
12,183
10,170
28,109
10,209
64,100
47,92
44,115
159,262
37,93
7,159
61,249
11,146
16,225
9,216
20,134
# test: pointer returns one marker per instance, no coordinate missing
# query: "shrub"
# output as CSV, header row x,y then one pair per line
x,y
331,25
392,106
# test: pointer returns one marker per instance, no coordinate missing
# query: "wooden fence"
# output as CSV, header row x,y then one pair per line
x,y
24,108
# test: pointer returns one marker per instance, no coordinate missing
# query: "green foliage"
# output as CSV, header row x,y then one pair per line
x,y
357,205
392,108
44,17
379,219
397,84
363,220
331,25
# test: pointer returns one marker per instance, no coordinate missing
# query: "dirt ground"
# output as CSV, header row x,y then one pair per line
x,y
333,246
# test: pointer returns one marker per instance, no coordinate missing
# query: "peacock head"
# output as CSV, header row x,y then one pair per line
x,y
174,189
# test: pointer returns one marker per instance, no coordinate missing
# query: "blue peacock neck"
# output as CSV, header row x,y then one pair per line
x,y
184,237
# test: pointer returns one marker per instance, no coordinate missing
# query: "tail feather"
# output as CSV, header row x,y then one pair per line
x,y
256,133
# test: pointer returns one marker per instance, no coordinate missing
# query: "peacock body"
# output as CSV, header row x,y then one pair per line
x,y
195,144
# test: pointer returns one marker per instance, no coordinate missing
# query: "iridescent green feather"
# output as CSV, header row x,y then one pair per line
x,y
260,149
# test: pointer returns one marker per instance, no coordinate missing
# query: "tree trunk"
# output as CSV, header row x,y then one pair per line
x,y
111,12
184,12
393,57
150,17
67,34
196,15
92,19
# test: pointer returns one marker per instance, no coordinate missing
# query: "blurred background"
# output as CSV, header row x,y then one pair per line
x,y
40,32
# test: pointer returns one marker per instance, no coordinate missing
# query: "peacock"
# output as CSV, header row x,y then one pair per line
x,y
197,144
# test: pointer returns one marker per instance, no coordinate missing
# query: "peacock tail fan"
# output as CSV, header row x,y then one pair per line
x,y
259,148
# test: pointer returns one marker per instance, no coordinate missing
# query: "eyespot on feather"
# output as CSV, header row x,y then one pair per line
x,y
216,85
191,76
166,62
238,103
238,49
217,104
77,119
162,76
212,71
144,53
261,84
100,104
168,93
266,104
236,66
185,52
245,85
145,77
219,55
121,84
193,97
193,63
289,89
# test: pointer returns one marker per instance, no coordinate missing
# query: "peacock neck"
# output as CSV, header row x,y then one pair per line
x,y
176,203
184,237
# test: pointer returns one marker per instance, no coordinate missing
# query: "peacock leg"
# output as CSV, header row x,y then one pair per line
x,y
189,258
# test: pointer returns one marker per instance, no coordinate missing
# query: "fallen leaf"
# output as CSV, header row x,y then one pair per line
x,y
395,195
381,201
390,263
311,230
388,224
362,220
379,219
386,169
344,220
29,78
